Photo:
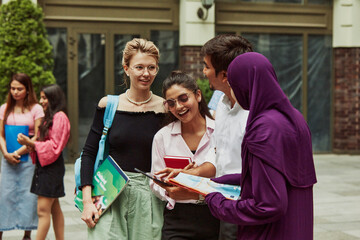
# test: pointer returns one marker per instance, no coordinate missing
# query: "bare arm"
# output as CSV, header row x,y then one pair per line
x,y
2,138
204,170
12,158
90,214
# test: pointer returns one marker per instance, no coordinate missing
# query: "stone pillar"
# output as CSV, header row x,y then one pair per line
x,y
346,46
194,32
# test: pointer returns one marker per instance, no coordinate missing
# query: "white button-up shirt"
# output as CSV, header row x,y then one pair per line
x,y
230,123
169,141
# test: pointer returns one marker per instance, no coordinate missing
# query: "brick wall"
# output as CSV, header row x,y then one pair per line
x,y
191,61
347,100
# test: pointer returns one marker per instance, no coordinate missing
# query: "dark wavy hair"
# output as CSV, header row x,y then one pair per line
x,y
185,80
29,101
224,48
56,103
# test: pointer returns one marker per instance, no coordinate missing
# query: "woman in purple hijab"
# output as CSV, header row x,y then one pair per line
x,y
276,200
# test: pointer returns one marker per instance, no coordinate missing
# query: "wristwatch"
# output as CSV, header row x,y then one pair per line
x,y
201,200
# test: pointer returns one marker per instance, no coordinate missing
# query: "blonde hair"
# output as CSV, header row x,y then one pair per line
x,y
139,45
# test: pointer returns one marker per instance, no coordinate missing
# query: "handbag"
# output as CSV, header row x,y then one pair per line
x,y
103,151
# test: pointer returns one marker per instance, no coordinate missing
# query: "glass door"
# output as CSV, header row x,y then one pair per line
x,y
90,79
95,71
86,83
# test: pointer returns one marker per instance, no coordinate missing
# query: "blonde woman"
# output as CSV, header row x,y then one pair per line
x,y
136,213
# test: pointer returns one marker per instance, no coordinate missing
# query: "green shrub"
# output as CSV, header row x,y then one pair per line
x,y
205,89
23,45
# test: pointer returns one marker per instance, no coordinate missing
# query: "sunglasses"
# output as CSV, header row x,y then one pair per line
x,y
171,103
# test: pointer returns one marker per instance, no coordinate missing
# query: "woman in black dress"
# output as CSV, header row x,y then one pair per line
x,y
48,179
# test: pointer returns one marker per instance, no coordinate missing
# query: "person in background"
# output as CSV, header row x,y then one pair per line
x,y
17,204
48,179
278,170
187,135
214,100
136,213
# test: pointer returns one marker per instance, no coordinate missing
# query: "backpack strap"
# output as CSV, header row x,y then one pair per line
x,y
110,110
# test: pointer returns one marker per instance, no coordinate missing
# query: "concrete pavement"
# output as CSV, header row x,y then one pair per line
x,y
336,201
337,197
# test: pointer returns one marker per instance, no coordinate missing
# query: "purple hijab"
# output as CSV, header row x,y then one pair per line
x,y
276,132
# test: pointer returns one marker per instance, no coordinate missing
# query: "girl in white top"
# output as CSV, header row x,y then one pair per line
x,y
187,134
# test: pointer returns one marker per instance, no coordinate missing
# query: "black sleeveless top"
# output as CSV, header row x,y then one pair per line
x,y
130,141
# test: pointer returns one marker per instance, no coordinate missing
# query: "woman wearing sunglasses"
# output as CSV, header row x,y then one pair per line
x,y
187,134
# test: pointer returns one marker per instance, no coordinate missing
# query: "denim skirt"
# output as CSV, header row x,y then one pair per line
x,y
17,204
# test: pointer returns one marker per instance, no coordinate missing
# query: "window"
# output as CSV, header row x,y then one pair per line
x,y
285,54
168,44
58,39
319,90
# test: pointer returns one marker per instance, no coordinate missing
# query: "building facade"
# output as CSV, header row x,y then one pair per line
x,y
315,51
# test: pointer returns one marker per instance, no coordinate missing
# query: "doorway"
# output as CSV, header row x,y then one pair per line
x,y
88,67
94,70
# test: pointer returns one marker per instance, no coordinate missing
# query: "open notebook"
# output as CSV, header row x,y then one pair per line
x,y
204,185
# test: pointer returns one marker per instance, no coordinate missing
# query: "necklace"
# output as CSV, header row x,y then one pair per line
x,y
137,103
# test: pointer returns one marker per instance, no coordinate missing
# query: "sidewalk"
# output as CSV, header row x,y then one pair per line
x,y
75,228
336,201
337,197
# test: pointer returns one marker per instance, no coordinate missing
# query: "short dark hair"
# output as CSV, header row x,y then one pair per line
x,y
180,78
224,48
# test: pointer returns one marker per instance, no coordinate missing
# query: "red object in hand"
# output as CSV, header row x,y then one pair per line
x,y
177,161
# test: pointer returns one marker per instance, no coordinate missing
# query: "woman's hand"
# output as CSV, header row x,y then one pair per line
x,y
12,158
168,173
232,179
90,214
24,140
179,193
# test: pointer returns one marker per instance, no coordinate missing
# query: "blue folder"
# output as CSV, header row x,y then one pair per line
x,y
11,133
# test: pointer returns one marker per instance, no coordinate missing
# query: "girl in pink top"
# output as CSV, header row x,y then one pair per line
x,y
48,179
17,204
